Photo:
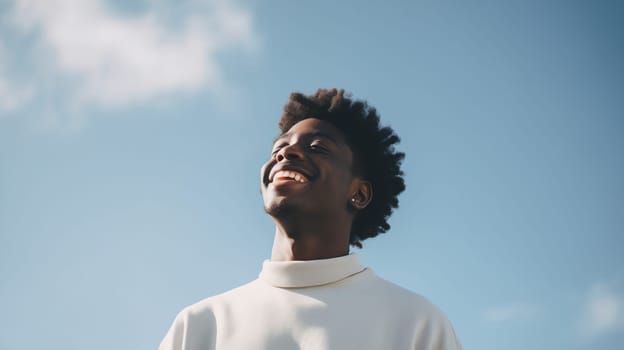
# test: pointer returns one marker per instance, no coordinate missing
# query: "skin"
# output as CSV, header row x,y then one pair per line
x,y
312,218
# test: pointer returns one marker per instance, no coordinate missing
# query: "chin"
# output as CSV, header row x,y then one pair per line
x,y
283,207
279,208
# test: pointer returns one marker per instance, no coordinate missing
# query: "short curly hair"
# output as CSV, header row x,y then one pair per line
x,y
375,158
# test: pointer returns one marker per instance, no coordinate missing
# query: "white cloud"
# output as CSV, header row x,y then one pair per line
x,y
509,312
603,311
114,59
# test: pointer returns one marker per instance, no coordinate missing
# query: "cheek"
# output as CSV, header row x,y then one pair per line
x,y
341,181
265,169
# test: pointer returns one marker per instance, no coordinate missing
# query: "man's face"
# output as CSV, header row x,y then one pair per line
x,y
309,171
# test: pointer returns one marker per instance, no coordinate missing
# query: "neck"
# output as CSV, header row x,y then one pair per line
x,y
293,243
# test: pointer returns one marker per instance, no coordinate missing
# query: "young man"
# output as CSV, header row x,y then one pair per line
x,y
332,181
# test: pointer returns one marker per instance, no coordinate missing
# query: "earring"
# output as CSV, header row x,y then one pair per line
x,y
353,200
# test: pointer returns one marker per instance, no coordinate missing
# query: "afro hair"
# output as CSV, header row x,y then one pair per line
x,y
375,158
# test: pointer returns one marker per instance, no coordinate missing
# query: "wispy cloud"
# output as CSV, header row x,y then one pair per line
x,y
603,311
511,311
110,58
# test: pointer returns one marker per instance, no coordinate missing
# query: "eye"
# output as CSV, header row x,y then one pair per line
x,y
277,148
317,147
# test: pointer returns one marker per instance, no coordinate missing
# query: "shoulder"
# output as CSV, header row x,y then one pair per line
x,y
208,305
195,326
397,295
432,328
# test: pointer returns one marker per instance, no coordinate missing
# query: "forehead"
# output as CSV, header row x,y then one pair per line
x,y
315,127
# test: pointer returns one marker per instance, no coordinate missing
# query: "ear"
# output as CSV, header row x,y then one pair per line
x,y
362,194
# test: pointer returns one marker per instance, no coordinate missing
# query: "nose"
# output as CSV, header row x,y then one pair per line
x,y
289,152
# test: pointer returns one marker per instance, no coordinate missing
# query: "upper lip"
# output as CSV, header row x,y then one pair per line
x,y
289,167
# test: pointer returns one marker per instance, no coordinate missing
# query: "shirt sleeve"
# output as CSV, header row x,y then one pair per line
x,y
446,337
191,331
450,341
174,339
436,333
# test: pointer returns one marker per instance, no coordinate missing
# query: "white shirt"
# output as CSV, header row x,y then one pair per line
x,y
318,304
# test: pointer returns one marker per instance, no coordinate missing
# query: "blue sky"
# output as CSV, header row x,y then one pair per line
x,y
132,134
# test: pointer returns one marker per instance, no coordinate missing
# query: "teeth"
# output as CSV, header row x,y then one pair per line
x,y
290,174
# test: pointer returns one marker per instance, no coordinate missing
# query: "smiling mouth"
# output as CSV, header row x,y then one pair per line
x,y
288,175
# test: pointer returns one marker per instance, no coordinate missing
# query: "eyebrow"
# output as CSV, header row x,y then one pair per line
x,y
310,135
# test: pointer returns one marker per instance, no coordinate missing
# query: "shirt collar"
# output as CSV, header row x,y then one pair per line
x,y
309,273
